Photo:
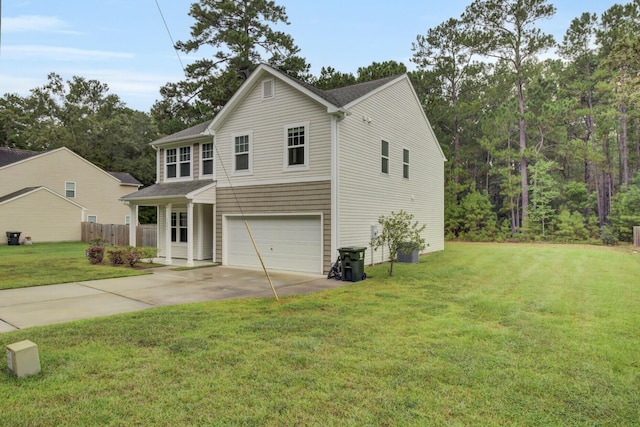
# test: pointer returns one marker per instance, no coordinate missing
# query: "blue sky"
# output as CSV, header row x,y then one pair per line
x,y
124,43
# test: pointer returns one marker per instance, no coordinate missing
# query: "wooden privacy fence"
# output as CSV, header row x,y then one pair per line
x,y
118,234
636,237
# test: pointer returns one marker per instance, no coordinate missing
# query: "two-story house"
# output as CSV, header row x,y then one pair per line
x,y
46,195
309,171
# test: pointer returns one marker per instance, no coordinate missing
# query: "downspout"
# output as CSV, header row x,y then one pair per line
x,y
336,118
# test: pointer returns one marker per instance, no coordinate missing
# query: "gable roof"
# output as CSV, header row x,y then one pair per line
x,y
13,155
333,99
8,198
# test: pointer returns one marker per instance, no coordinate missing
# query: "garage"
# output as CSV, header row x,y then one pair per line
x,y
292,242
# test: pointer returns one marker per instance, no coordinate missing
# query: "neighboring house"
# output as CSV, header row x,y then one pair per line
x,y
310,170
46,195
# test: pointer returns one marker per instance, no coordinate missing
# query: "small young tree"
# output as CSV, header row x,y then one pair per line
x,y
399,232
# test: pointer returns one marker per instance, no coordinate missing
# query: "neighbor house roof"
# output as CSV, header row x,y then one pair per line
x,y
30,190
170,190
126,178
13,155
334,99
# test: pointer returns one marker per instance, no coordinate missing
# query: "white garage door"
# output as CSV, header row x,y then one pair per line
x,y
285,242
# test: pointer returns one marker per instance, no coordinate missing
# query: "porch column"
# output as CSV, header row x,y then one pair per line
x,y
190,226
133,222
167,233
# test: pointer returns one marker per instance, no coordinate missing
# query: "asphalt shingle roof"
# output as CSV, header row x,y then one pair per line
x,y
125,178
169,189
338,97
17,193
13,155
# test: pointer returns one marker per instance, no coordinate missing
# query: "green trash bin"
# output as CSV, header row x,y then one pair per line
x,y
352,260
13,238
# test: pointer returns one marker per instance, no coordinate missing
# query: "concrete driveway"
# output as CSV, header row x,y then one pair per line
x,y
44,305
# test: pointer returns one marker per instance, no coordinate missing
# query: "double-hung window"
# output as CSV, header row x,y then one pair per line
x,y
171,161
384,155
179,227
297,145
242,153
178,161
70,189
207,159
185,161
405,163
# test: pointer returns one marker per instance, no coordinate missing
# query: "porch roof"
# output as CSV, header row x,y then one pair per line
x,y
171,190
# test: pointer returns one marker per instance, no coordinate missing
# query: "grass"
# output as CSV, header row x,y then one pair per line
x,y
50,263
481,334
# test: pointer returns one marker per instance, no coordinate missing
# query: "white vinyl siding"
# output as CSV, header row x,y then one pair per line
x,y
400,121
267,121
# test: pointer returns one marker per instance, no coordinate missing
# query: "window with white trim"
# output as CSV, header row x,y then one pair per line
x,y
172,163
178,162
185,161
179,227
405,163
242,153
384,155
70,189
207,158
297,145
92,218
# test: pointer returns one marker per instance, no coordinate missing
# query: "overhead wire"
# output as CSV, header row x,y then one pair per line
x,y
215,147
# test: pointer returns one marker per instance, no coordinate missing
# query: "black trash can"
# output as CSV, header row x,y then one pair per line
x,y
13,238
352,260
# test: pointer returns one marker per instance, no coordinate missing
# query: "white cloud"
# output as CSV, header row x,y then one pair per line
x,y
42,52
33,23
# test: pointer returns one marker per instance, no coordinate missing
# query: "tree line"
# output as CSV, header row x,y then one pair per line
x,y
542,136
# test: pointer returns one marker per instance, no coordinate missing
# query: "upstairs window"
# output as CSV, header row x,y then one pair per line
x,y
171,163
185,161
297,145
178,162
242,153
179,227
207,159
384,154
405,163
70,189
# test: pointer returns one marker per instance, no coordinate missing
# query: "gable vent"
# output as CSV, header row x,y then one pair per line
x,y
267,89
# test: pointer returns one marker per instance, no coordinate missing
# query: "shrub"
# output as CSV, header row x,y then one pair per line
x,y
132,255
607,236
95,254
116,256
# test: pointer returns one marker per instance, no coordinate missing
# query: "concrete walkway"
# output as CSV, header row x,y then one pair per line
x,y
44,305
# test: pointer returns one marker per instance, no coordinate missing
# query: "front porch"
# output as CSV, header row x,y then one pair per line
x,y
185,217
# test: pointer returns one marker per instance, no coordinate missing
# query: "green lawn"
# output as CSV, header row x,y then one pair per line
x,y
482,334
50,263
